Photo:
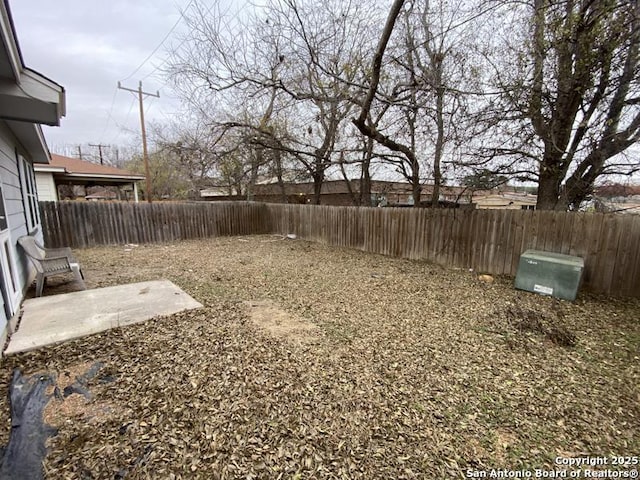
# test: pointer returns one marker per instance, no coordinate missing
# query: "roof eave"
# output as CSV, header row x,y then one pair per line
x,y
48,169
9,40
27,98
31,138
32,98
99,177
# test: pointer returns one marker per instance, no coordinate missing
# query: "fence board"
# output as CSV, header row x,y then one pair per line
x,y
487,241
611,241
519,222
592,248
623,267
89,224
628,283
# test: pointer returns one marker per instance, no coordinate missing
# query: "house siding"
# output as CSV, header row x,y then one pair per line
x,y
15,210
46,187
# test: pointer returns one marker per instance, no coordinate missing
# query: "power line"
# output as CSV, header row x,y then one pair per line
x,y
109,115
175,25
150,104
115,92
155,69
122,126
184,40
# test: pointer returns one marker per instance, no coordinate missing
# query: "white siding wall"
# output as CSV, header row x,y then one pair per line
x,y
46,187
15,208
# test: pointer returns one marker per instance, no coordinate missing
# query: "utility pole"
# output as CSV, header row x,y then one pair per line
x,y
145,156
100,147
79,152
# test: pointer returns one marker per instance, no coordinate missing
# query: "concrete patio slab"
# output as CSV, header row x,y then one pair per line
x,y
58,318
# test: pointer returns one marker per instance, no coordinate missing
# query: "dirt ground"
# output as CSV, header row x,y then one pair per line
x,y
310,361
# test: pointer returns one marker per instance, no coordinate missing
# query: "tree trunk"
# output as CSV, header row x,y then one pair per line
x,y
354,196
278,165
365,177
365,188
416,188
318,179
437,158
253,177
549,194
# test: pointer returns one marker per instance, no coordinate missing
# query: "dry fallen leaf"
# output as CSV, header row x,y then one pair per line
x,y
414,371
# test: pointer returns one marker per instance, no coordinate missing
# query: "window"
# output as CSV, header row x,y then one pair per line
x,y
9,285
4,225
29,194
528,207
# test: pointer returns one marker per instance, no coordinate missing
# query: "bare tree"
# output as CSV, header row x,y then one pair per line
x,y
422,88
571,97
298,62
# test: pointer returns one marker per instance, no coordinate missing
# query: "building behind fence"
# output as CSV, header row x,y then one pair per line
x,y
488,241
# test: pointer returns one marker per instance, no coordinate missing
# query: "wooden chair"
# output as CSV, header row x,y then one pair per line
x,y
50,261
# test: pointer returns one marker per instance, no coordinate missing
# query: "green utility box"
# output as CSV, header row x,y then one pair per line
x,y
550,274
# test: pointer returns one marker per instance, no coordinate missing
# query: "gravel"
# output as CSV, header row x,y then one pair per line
x,y
309,361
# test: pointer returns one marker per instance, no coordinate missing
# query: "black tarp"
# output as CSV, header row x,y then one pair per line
x,y
23,455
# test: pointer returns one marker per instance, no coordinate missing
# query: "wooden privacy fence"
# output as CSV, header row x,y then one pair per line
x,y
488,241
89,224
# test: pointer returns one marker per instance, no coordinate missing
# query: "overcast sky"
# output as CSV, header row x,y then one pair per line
x,y
87,47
